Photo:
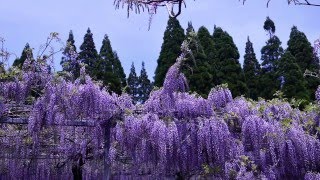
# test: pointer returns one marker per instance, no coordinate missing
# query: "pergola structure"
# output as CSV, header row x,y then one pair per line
x,y
16,119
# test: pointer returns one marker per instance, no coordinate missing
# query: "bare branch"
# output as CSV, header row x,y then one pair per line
x,y
151,5
138,5
295,2
304,2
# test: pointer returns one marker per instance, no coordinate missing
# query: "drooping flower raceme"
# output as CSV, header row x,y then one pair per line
x,y
2,108
220,96
163,100
317,94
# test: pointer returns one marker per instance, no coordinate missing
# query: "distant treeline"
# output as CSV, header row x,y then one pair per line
x,y
214,61
104,66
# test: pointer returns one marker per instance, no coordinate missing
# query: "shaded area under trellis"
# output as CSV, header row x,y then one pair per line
x,y
20,159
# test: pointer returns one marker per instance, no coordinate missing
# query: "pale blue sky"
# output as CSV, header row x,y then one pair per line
x,y
23,21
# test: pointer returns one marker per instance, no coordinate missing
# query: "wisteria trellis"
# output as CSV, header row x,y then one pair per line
x,y
174,134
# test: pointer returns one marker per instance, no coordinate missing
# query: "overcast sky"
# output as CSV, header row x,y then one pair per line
x,y
31,21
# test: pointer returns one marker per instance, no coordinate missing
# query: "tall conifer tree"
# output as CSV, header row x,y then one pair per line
x,y
301,49
228,67
105,70
88,54
133,84
251,69
170,49
26,53
207,43
70,47
293,83
270,55
196,67
118,69
69,62
145,85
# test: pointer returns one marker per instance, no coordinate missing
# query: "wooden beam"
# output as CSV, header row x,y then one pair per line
x,y
24,120
8,120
